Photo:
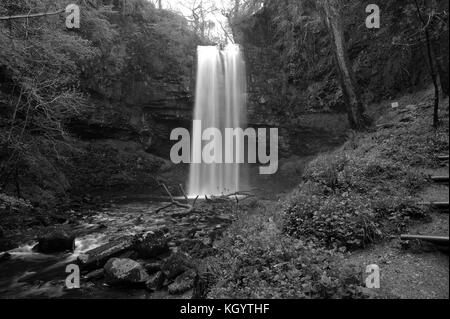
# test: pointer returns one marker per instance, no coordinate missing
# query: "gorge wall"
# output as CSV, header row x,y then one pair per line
x,y
292,79
127,81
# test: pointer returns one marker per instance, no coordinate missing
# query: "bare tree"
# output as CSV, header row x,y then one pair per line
x,y
431,59
332,14
200,10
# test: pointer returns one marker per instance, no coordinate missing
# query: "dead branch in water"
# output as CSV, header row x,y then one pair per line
x,y
187,206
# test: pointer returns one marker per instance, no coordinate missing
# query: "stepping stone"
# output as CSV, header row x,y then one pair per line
x,y
440,179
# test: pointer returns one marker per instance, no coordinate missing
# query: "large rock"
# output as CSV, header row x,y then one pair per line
x,y
152,268
55,241
96,258
151,244
176,264
156,281
125,272
183,283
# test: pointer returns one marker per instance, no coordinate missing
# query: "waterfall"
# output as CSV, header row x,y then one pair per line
x,y
220,102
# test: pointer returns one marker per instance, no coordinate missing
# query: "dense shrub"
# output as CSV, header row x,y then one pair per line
x,y
347,221
257,261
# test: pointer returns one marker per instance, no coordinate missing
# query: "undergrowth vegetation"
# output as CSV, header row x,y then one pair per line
x,y
367,190
257,261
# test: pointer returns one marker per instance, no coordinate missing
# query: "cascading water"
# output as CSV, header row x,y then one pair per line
x,y
220,103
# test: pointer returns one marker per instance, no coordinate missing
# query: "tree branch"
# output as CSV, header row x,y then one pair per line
x,y
35,15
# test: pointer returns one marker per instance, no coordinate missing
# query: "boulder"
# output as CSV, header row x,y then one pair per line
x,y
55,241
151,244
176,264
156,281
125,272
152,268
97,257
183,283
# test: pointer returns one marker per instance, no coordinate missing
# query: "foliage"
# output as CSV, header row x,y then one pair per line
x,y
257,261
49,76
366,190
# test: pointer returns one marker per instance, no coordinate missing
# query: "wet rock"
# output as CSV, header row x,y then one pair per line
x,y
5,256
183,283
152,268
176,264
125,272
151,244
96,258
55,241
96,274
156,281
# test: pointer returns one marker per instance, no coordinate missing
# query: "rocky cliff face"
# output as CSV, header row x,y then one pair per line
x,y
309,119
142,85
127,81
292,79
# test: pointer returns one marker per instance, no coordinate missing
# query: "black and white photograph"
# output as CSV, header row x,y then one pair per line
x,y
188,152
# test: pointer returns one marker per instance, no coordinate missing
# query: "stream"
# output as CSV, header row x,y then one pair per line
x,y
28,274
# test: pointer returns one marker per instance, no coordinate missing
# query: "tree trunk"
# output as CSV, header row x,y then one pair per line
x,y
355,107
431,64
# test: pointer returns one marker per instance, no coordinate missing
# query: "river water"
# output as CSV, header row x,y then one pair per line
x,y
28,274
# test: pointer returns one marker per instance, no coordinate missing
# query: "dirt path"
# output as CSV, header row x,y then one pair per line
x,y
418,271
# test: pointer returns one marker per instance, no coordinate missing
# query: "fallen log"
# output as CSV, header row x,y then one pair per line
x,y
437,205
440,179
97,257
173,202
443,157
432,239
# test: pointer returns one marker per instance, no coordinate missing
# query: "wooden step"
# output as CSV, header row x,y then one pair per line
x,y
440,179
432,239
437,205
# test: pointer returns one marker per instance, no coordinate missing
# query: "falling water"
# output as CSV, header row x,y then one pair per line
x,y
220,103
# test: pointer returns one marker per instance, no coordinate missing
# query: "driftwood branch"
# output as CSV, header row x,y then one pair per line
x,y
173,202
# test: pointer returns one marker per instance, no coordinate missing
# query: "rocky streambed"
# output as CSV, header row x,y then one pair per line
x,y
127,250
